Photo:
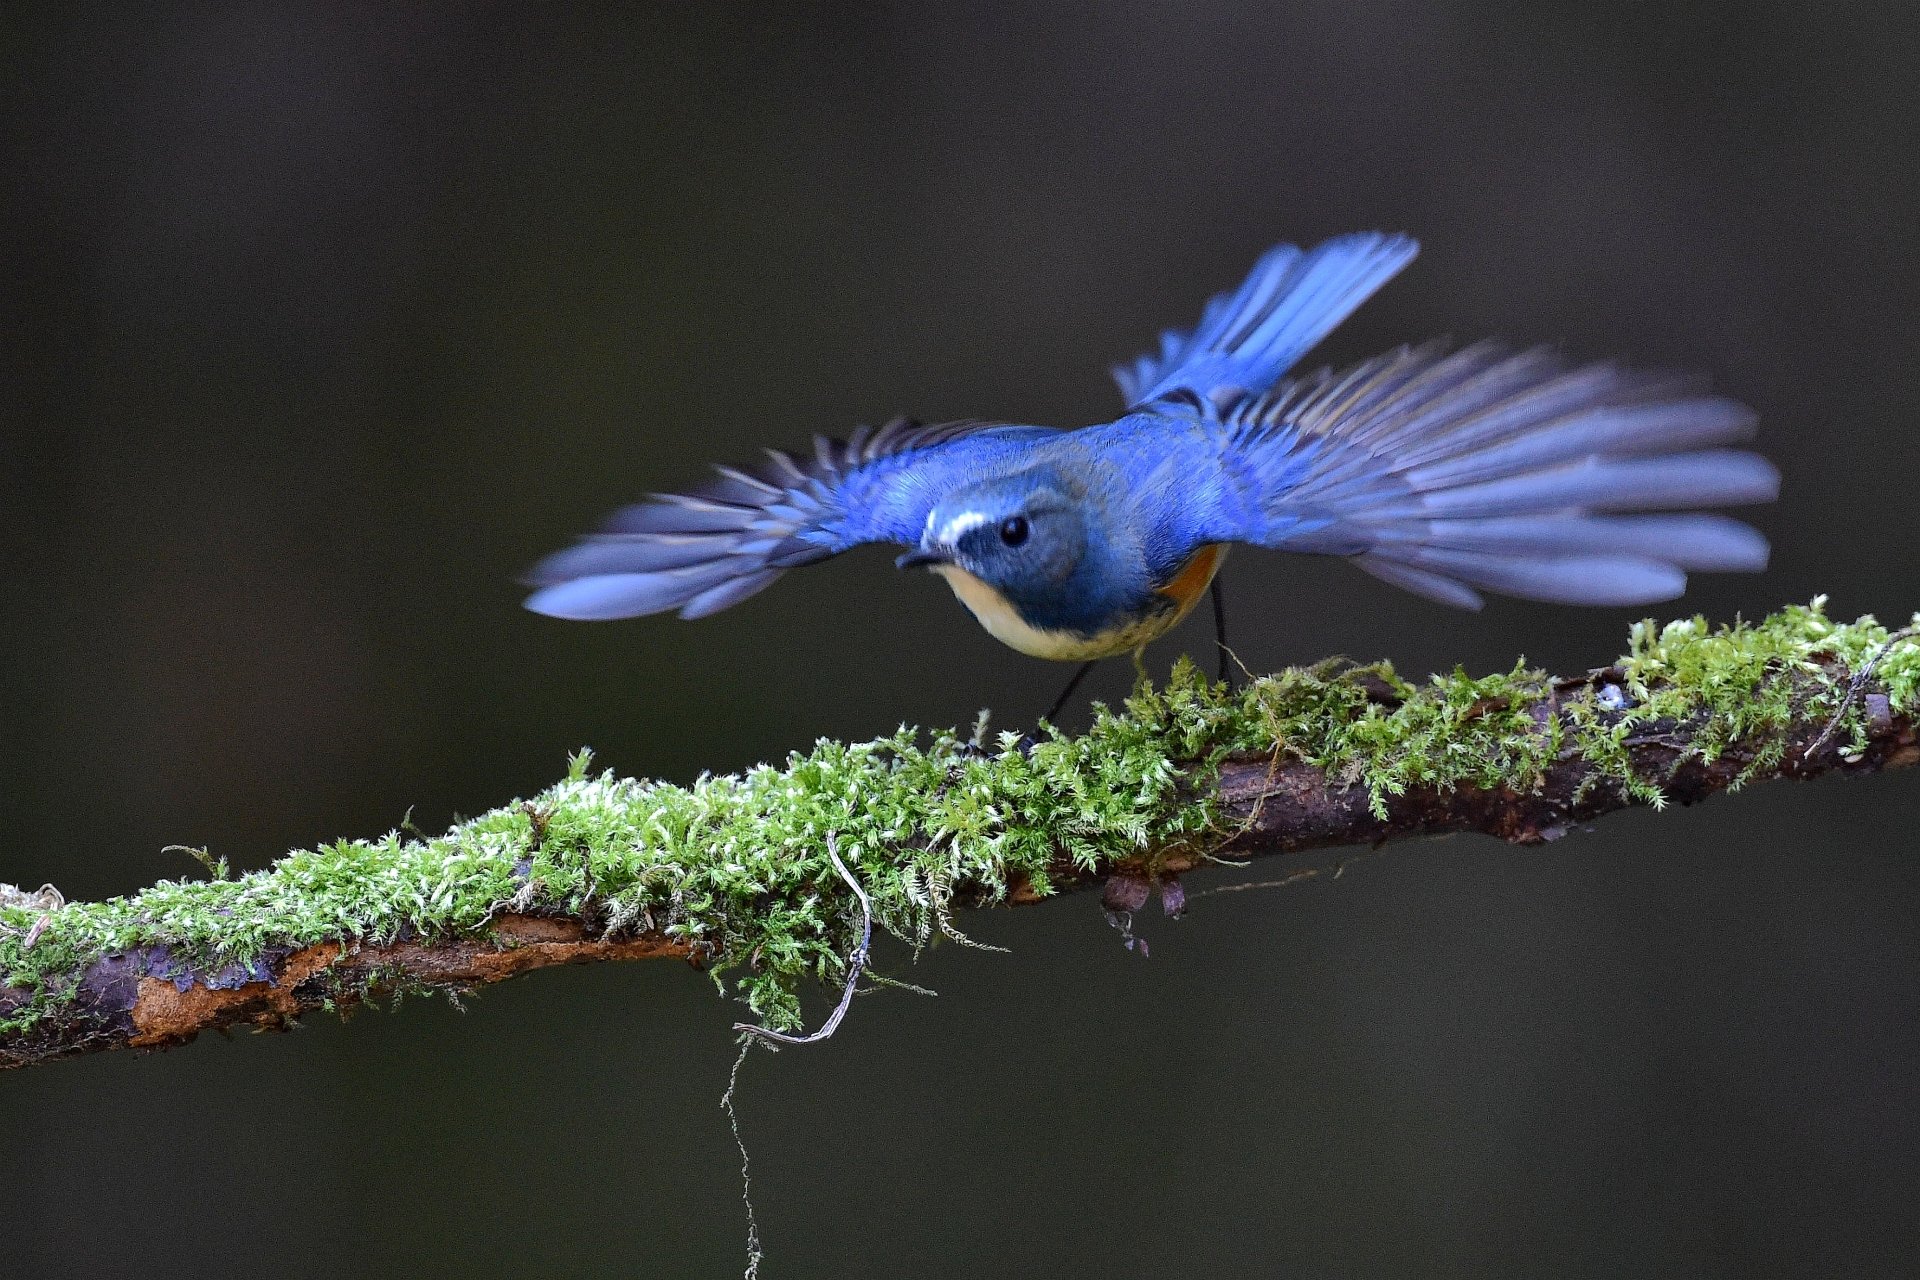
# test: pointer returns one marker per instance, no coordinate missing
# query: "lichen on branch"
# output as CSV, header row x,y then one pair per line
x,y
732,872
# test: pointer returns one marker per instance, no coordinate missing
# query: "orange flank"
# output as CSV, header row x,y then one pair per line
x,y
1186,586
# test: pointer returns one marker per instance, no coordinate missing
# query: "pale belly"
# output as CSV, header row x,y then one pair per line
x,y
1004,624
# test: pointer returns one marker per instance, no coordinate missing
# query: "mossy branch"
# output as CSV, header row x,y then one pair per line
x,y
733,874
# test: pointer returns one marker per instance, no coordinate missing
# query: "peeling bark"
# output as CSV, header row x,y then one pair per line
x,y
149,998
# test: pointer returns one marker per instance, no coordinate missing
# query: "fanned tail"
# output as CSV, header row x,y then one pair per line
x,y
1248,338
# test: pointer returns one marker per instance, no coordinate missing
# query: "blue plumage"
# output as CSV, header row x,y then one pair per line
x,y
1289,301
1444,472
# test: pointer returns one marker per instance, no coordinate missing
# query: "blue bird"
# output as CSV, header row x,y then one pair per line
x,y
1445,472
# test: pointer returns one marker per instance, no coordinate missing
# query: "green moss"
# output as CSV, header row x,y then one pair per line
x,y
1367,726
1720,681
736,866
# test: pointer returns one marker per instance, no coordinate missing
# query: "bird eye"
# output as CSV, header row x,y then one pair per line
x,y
1013,530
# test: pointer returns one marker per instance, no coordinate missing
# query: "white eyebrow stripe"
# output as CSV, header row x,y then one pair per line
x,y
959,526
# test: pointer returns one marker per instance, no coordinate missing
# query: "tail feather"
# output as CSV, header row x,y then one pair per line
x,y
1248,338
1449,474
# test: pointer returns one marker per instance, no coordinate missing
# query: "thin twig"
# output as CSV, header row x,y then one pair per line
x,y
1256,884
1858,684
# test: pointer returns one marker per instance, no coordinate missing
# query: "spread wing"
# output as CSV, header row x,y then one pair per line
x,y
1512,472
702,551
1248,338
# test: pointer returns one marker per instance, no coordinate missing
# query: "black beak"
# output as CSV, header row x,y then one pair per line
x,y
921,557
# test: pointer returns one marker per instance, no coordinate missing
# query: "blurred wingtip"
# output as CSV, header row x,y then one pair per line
x,y
603,598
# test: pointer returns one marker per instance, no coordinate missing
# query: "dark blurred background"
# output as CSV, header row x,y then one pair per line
x,y
323,321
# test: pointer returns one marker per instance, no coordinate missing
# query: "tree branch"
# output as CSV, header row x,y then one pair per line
x,y
733,873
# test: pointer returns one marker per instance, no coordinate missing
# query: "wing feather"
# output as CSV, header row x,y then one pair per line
x,y
709,549
1449,473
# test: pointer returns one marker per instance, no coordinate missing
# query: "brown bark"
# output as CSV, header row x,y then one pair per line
x,y
144,999
1290,807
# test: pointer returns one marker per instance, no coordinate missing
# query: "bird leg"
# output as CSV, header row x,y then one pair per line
x,y
1067,692
1220,633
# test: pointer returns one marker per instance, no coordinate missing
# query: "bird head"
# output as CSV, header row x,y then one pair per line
x,y
1022,535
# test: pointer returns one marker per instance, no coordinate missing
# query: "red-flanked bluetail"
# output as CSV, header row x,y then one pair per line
x,y
1446,472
